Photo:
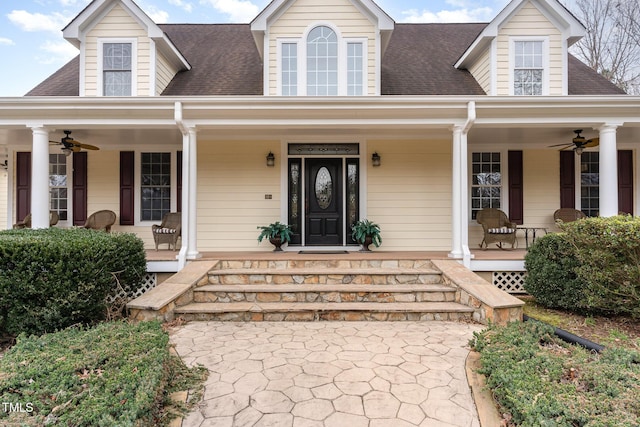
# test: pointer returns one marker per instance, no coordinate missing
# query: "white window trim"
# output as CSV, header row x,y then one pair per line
x,y
138,182
342,60
504,188
69,221
545,61
134,63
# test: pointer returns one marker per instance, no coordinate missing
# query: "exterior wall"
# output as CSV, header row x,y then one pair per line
x,y
233,180
341,13
117,24
164,73
4,203
528,21
409,194
481,71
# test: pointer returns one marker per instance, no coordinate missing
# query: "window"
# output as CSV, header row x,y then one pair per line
x,y
289,66
58,184
528,69
354,69
322,62
116,69
486,182
590,183
155,194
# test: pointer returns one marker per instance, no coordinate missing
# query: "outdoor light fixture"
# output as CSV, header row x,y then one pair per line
x,y
5,165
578,150
375,159
271,159
67,151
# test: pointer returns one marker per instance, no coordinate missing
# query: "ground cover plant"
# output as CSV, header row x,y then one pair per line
x,y
114,374
539,380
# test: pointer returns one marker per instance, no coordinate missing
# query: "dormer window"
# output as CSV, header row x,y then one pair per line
x,y
529,63
117,68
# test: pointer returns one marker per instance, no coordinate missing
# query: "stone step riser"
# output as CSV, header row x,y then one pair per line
x,y
307,316
216,278
330,263
328,296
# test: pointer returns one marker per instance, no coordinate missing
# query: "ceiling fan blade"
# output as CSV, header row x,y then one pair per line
x,y
55,142
75,148
561,145
85,146
593,142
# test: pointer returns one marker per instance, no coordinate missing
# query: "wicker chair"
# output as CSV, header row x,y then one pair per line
x,y
168,231
101,220
26,222
568,215
497,228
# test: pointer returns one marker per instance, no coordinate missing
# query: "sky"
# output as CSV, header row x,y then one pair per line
x,y
32,46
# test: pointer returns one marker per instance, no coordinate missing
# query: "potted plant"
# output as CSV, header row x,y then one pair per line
x,y
277,233
366,232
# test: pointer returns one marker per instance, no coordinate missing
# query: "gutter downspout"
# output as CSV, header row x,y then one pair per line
x,y
464,178
182,255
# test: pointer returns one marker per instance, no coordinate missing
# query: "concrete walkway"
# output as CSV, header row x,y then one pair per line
x,y
330,374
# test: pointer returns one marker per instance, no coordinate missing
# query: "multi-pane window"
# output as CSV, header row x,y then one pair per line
x,y
155,191
116,69
354,69
528,68
486,182
590,183
289,69
322,62
58,184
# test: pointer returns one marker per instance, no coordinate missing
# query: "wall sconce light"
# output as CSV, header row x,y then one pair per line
x,y
271,159
5,165
375,159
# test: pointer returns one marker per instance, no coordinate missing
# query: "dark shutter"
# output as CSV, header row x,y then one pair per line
x,y
567,179
127,188
79,188
23,185
179,182
625,181
516,197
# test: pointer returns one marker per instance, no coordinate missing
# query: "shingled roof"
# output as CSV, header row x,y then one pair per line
x,y
418,61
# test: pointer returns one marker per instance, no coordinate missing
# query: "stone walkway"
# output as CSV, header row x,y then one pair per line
x,y
330,374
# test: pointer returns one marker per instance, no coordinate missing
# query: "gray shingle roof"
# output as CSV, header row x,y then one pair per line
x,y
418,61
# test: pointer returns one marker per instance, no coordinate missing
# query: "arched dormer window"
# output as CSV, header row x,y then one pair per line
x,y
322,62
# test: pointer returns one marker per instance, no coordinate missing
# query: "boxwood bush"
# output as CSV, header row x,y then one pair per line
x,y
53,278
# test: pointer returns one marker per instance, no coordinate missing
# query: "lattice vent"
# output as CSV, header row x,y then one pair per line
x,y
149,281
510,281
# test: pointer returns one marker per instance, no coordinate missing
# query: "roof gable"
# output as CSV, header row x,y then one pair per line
x,y
572,30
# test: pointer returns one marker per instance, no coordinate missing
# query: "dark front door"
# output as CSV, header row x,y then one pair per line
x,y
323,201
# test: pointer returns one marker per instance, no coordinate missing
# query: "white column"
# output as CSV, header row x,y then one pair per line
x,y
608,171
192,248
464,193
40,178
182,255
456,195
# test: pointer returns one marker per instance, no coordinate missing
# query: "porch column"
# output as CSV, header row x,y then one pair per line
x,y
456,195
192,168
40,178
608,171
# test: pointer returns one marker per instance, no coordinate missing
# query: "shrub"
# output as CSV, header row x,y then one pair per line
x,y
53,278
551,278
608,253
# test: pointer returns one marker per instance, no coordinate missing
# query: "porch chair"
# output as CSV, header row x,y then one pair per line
x,y
26,222
101,220
168,231
497,228
568,215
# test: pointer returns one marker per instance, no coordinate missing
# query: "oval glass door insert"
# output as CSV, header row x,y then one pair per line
x,y
323,187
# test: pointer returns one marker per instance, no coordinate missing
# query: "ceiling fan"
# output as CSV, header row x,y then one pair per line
x,y
70,145
579,143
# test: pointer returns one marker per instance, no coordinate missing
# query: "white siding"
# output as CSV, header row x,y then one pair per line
x,y
409,195
481,71
164,73
341,13
530,22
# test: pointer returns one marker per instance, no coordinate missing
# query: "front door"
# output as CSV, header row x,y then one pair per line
x,y
323,204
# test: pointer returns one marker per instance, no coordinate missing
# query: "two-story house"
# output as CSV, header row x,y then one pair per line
x,y
315,114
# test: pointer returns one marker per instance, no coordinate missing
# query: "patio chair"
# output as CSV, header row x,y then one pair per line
x,y
568,215
168,231
26,222
101,220
497,228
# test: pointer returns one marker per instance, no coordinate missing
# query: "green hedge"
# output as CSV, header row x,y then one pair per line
x,y
593,266
54,278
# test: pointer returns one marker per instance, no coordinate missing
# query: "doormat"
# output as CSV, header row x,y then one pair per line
x,y
324,252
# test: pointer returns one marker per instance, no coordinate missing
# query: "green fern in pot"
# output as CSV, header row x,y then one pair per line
x,y
366,232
